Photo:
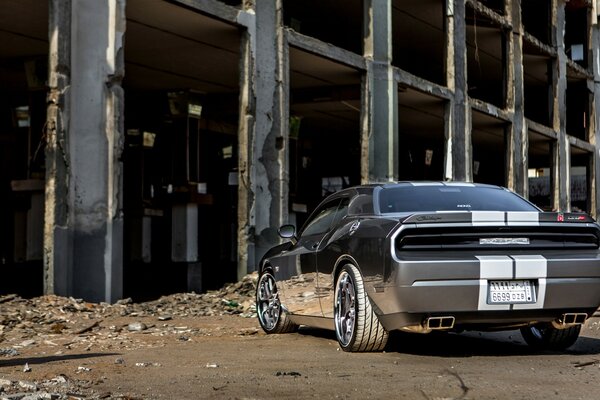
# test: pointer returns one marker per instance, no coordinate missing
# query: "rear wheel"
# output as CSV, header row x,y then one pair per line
x,y
271,316
356,325
545,336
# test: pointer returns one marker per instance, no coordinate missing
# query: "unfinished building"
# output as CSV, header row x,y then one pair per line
x,y
154,146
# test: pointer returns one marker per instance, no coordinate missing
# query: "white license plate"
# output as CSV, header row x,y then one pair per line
x,y
511,292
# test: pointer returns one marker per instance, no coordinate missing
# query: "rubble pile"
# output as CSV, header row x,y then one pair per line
x,y
60,387
55,312
56,326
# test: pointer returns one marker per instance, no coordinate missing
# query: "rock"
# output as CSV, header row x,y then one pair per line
x,y
26,368
15,396
9,352
26,343
5,382
27,385
136,327
39,396
212,365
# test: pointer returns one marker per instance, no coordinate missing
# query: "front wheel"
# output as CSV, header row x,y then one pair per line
x,y
356,325
271,316
547,337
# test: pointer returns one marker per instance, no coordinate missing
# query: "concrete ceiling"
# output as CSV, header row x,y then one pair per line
x,y
170,47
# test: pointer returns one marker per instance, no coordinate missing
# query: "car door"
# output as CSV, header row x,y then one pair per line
x,y
328,252
296,270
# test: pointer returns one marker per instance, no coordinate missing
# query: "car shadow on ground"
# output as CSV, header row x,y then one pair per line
x,y
468,344
43,360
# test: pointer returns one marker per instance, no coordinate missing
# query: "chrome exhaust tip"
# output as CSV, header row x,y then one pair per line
x,y
568,320
437,323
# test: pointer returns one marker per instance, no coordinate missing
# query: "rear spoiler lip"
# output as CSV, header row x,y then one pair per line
x,y
497,217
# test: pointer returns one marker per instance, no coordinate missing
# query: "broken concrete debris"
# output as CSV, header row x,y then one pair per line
x,y
56,314
64,324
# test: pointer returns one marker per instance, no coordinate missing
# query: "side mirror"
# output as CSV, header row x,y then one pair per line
x,y
287,231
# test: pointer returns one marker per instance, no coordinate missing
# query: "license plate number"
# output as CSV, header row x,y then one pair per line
x,y
511,292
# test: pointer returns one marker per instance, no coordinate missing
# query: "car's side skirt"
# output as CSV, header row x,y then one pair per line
x,y
316,322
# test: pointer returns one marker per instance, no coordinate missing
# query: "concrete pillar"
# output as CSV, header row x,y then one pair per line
x,y
517,140
381,94
595,119
459,162
263,188
561,155
83,221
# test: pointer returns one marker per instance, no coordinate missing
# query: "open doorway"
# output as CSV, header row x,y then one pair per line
x,y
489,142
421,136
325,110
23,87
181,92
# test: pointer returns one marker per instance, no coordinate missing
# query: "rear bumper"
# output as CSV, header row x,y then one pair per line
x,y
458,286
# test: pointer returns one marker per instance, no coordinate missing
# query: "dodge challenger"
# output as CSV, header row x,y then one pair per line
x,y
432,256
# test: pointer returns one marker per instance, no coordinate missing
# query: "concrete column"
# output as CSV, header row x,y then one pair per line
x,y
381,94
263,189
57,236
595,119
561,163
84,221
459,160
517,139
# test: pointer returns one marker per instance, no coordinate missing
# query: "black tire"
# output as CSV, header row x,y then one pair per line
x,y
356,325
547,337
271,316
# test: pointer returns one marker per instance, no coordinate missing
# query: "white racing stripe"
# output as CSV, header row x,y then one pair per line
x,y
508,268
523,218
532,267
488,218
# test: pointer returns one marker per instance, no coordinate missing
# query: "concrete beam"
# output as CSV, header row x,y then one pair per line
x,y
91,233
498,19
215,9
414,82
491,110
325,50
541,47
541,129
576,70
381,95
580,144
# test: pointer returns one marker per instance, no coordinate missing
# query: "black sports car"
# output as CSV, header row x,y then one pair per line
x,y
425,256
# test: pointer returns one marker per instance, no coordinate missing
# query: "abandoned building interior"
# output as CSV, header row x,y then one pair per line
x,y
186,131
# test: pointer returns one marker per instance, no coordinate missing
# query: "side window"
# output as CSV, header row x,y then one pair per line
x,y
341,212
322,220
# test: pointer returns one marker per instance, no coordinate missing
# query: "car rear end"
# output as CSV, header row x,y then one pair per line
x,y
490,270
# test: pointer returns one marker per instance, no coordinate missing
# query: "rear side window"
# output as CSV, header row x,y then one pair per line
x,y
402,199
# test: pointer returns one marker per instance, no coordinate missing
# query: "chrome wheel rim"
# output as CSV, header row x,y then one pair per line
x,y
267,302
345,308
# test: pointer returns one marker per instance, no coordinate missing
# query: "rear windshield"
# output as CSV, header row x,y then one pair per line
x,y
403,199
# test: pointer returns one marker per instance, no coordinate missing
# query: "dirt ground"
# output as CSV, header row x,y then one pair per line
x,y
229,357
